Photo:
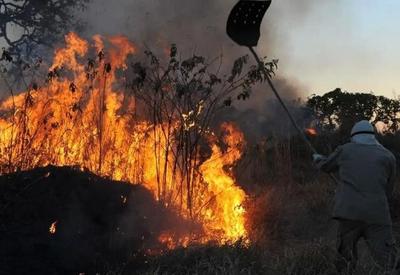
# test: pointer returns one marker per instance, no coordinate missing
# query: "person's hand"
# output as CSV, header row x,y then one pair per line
x,y
317,158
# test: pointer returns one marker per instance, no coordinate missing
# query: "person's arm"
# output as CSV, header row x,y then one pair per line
x,y
392,177
329,164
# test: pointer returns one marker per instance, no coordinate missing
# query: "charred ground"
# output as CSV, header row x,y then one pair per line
x,y
112,227
100,224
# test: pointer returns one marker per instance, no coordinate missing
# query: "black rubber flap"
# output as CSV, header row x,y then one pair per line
x,y
244,22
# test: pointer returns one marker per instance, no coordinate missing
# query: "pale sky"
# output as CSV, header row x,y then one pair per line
x,y
321,44
351,44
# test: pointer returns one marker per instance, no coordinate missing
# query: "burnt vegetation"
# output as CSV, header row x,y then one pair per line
x,y
288,203
65,220
70,220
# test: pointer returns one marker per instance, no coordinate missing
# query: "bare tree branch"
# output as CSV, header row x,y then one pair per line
x,y
40,22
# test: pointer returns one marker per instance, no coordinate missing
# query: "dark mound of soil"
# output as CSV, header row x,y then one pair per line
x,y
99,223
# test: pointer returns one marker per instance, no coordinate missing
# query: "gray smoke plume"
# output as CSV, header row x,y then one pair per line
x,y
191,24
196,23
198,26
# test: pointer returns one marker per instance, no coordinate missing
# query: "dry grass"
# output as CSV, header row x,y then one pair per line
x,y
291,231
315,258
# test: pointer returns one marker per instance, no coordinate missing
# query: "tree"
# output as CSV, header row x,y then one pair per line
x,y
338,110
183,97
24,24
387,111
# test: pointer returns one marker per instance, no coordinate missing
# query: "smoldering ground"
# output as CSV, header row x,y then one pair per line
x,y
98,222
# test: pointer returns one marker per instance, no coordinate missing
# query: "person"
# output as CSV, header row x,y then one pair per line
x,y
366,172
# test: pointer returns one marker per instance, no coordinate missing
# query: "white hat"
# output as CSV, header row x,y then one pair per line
x,y
362,127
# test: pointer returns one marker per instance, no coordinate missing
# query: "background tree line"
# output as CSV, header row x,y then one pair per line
x,y
338,110
334,114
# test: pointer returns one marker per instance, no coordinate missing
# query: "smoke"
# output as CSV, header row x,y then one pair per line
x,y
189,23
266,117
199,27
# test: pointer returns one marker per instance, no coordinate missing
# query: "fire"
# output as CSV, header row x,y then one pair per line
x,y
53,228
311,132
227,198
168,239
83,117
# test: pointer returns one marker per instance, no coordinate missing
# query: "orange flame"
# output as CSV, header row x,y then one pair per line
x,y
311,132
227,198
77,121
53,228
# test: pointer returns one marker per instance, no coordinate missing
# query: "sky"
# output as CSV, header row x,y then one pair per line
x,y
351,44
320,44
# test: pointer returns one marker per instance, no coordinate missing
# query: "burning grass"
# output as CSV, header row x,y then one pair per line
x,y
101,111
183,210
114,227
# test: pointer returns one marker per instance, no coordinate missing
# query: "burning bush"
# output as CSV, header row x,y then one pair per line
x,y
143,122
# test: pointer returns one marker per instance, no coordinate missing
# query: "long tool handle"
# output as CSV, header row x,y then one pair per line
x,y
299,130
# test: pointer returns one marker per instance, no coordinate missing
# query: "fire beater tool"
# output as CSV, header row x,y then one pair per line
x,y
243,27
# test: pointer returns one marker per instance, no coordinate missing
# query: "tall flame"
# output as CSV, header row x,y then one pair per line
x,y
228,210
77,120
